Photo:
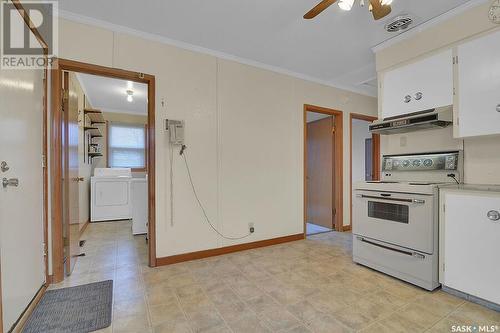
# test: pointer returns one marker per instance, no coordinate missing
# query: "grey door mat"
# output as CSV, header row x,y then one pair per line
x,y
80,309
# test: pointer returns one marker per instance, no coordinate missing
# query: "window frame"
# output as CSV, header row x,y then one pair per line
x,y
108,124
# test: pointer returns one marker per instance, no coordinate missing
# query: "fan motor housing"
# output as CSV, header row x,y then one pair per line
x,y
399,23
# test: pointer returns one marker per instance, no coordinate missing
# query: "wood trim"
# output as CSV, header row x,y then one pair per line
x,y
338,166
18,326
56,173
225,250
347,228
61,65
375,156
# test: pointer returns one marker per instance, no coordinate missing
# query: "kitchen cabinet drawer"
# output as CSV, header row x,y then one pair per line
x,y
422,85
478,107
471,246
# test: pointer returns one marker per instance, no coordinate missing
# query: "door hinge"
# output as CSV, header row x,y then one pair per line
x,y
44,249
444,208
44,161
65,95
334,211
458,121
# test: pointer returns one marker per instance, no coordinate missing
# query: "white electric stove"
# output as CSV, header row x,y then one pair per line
x,y
395,220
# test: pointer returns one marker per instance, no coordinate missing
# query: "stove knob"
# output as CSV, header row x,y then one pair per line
x,y
416,163
428,162
406,163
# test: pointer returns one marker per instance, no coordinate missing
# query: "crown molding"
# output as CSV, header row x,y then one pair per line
x,y
428,24
221,55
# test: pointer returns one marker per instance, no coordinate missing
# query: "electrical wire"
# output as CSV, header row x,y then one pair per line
x,y
171,156
201,206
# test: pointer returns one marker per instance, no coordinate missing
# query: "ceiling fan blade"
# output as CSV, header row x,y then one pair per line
x,y
318,9
378,10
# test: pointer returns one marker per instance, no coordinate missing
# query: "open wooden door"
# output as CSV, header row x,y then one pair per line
x,y
71,226
320,161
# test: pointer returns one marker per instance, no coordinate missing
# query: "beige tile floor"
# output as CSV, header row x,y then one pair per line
x,y
304,286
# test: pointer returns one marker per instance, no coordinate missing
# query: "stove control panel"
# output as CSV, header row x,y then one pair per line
x,y
421,162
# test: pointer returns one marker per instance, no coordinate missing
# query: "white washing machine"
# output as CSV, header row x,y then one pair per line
x,y
110,194
139,205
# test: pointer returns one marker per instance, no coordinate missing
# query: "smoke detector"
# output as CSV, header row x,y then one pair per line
x,y
399,23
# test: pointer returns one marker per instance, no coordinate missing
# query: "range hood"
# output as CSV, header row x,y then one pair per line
x,y
434,118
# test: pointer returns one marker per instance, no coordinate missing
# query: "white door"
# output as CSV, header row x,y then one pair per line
x,y
471,245
423,85
479,86
21,207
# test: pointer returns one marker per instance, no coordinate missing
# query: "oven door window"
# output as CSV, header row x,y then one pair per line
x,y
388,211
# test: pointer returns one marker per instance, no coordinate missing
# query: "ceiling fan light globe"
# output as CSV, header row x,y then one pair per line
x,y
385,2
346,4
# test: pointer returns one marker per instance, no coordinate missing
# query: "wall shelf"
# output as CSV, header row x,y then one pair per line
x,y
94,131
92,154
95,116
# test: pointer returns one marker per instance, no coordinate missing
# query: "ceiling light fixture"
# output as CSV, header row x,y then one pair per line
x,y
346,4
130,93
385,2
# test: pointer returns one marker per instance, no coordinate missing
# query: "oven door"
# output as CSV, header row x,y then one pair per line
x,y
401,219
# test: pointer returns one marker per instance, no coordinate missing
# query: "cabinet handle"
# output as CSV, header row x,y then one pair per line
x,y
418,96
407,99
498,108
493,215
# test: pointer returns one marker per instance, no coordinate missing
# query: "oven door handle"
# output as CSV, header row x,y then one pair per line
x,y
415,201
408,253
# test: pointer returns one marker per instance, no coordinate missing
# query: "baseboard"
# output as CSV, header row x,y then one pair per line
x,y
84,227
347,228
18,326
225,250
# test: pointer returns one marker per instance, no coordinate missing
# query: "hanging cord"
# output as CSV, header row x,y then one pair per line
x,y
183,154
171,156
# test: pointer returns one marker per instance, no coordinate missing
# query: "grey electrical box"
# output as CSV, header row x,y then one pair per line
x,y
175,129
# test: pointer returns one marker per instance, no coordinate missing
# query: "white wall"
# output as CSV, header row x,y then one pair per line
x,y
244,130
482,160
360,133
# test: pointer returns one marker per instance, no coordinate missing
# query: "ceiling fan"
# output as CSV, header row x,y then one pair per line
x,y
378,8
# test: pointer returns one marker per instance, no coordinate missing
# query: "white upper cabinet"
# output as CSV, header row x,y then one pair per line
x,y
422,85
478,103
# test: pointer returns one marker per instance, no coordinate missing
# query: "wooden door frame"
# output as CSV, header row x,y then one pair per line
x,y
60,65
375,156
338,163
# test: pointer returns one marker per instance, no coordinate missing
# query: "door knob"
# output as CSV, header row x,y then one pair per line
x,y
498,108
4,167
10,182
493,215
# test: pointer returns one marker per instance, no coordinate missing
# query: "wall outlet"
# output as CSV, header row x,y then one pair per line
x,y
251,227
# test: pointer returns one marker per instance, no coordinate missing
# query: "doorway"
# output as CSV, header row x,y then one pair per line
x,y
323,171
364,152
102,167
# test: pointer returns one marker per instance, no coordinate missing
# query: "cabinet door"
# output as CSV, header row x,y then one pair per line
x,y
471,244
432,77
479,86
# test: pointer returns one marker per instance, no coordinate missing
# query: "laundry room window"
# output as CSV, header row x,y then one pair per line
x,y
127,146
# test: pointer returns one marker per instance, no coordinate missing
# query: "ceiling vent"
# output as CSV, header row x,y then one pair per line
x,y
398,23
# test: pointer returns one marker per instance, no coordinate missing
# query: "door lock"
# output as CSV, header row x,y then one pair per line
x,y
4,166
14,182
